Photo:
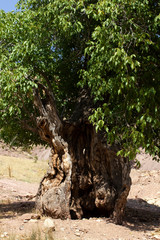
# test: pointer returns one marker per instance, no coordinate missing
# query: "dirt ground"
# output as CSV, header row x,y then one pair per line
x,y
141,221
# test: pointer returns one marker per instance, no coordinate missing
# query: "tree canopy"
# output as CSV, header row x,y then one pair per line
x,y
110,47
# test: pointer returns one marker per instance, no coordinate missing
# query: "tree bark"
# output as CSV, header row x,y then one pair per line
x,y
85,177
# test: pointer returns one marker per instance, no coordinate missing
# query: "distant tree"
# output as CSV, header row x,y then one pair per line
x,y
84,76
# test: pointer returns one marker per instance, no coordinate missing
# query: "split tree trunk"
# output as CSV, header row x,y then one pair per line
x,y
85,177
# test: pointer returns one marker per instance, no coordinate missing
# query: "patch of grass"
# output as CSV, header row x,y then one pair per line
x,y
12,237
35,234
22,169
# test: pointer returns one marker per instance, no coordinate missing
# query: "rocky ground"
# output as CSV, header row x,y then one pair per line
x,y
142,218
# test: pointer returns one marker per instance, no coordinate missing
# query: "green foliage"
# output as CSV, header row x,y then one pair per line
x,y
124,73
111,47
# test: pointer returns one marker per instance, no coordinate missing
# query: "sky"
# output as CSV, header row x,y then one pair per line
x,y
7,5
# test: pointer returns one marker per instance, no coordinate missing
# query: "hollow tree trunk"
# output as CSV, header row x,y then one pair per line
x,y
85,177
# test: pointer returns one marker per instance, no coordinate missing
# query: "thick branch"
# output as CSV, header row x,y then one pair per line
x,y
49,123
47,105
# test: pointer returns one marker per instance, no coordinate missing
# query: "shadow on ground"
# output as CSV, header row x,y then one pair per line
x,y
13,209
141,216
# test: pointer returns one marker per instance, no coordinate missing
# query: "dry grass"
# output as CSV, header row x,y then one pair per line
x,y
27,170
36,234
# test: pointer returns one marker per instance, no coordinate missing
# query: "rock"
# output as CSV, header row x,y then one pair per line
x,y
21,227
151,201
98,220
5,234
157,236
49,224
33,220
26,216
154,201
25,221
77,233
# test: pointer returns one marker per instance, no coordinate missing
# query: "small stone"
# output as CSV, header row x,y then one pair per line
x,y
49,224
25,221
5,234
98,220
26,216
151,201
33,220
77,234
157,236
21,227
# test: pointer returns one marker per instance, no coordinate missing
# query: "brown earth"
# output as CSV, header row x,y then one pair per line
x,y
142,217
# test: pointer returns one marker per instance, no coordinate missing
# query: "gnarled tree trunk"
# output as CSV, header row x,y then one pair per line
x,y
85,176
